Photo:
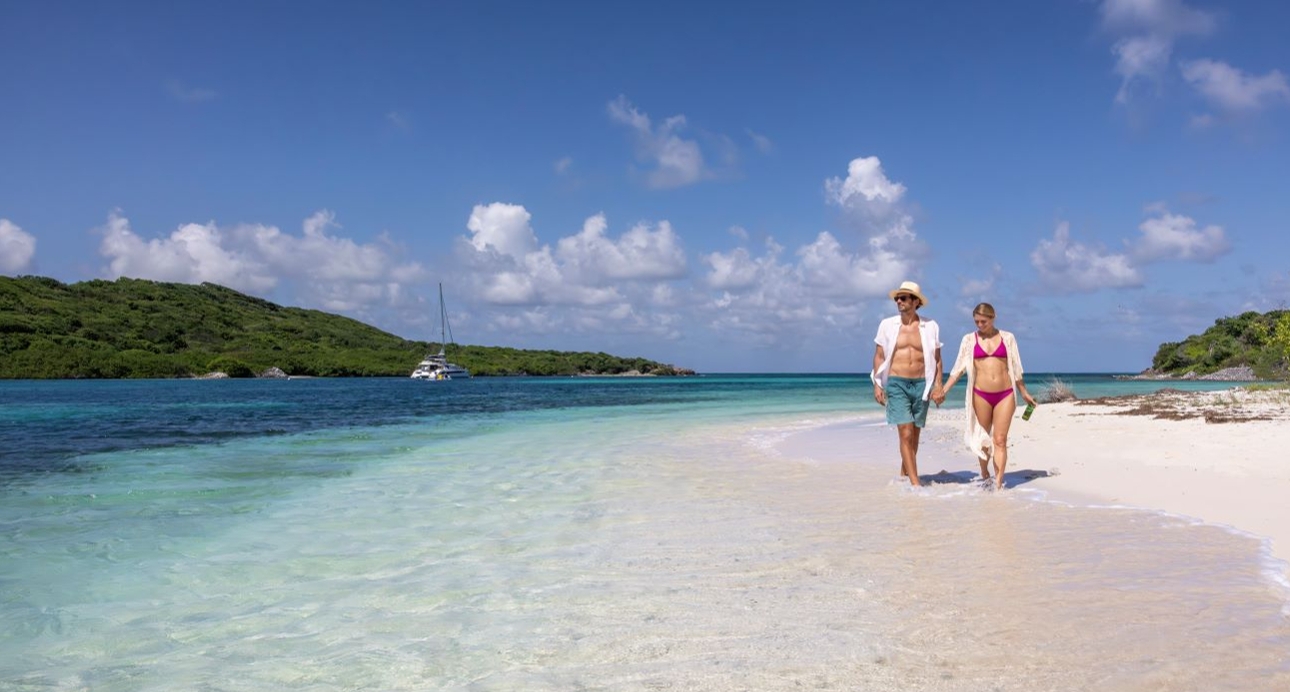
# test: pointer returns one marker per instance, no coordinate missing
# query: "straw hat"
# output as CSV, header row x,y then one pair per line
x,y
911,288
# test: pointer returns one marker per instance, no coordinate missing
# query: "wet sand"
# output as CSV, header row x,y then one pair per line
x,y
1219,457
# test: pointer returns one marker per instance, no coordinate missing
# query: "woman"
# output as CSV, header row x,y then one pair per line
x,y
992,362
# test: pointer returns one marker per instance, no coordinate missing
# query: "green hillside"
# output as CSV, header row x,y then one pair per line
x,y
1259,341
136,328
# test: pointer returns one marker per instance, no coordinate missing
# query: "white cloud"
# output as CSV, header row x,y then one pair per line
x,y
510,287
322,259
832,271
562,165
336,272
676,161
761,299
193,253
502,228
584,269
735,270
1232,90
876,206
1162,17
17,248
639,254
1140,58
762,142
664,295
775,301
1175,237
635,282
866,185
1148,30
1072,267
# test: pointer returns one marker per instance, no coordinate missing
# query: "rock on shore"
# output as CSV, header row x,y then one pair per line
x,y
1241,373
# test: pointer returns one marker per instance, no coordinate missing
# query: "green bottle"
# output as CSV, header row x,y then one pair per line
x,y
1030,408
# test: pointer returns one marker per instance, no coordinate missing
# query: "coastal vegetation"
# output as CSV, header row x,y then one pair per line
x,y
133,328
1258,341
1056,390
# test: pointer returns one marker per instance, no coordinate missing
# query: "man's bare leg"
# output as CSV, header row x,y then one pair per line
x,y
909,434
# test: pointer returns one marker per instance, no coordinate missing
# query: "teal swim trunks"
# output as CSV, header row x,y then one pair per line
x,y
905,402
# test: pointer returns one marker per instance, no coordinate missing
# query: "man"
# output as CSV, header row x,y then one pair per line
x,y
907,371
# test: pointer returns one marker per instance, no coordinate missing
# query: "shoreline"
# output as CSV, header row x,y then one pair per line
x,y
1208,456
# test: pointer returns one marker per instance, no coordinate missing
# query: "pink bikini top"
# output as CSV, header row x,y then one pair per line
x,y
999,352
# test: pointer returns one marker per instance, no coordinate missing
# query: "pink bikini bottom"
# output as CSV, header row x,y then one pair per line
x,y
992,398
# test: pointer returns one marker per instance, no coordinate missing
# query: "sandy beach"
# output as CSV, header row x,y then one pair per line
x,y
1220,457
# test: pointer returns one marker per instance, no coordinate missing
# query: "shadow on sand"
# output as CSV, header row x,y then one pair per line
x,y
1011,479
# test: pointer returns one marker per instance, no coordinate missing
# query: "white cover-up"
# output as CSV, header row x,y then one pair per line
x,y
975,436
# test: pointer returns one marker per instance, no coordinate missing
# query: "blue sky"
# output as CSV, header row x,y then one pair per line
x,y
732,187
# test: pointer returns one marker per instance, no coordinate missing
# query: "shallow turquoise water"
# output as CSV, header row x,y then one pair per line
x,y
568,533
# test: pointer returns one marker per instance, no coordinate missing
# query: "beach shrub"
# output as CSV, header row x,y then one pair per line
x,y
1279,340
1056,390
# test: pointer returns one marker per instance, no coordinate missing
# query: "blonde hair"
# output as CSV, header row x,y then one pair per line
x,y
984,309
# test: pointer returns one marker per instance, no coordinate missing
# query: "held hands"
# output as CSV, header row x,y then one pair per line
x,y
879,395
940,392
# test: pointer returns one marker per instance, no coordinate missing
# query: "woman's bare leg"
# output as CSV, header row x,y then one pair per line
x,y
985,417
999,435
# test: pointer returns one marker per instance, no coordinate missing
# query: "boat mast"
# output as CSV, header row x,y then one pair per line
x,y
445,330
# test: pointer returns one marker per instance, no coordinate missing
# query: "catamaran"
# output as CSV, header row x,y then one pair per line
x,y
435,366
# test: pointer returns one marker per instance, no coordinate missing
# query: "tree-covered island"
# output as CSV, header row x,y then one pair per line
x,y
133,328
1254,343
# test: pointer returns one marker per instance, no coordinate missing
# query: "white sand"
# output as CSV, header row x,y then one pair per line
x,y
1119,452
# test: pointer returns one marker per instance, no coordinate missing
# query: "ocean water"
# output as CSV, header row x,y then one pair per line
x,y
708,533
